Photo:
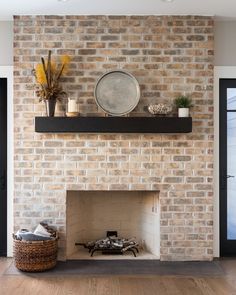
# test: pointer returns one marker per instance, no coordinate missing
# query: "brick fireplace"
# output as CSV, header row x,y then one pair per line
x,y
168,55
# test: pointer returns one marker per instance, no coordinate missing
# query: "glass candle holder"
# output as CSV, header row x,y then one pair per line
x,y
72,107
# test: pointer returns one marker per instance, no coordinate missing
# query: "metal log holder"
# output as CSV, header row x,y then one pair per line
x,y
111,245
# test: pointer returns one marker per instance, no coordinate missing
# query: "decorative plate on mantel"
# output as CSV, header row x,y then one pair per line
x,y
117,93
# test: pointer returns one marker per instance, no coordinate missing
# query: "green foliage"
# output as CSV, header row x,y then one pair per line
x,y
183,101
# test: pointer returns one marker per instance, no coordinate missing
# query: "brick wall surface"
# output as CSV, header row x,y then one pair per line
x,y
168,55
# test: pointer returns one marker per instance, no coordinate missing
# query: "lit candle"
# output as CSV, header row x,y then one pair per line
x,y
72,106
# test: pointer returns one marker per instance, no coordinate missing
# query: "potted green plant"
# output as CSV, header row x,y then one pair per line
x,y
183,103
47,75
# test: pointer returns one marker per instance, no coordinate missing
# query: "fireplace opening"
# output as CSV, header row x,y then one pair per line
x,y
112,225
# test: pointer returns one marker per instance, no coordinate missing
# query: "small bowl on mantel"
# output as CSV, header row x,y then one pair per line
x,y
160,109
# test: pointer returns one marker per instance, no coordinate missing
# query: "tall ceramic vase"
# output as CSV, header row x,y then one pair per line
x,y
50,105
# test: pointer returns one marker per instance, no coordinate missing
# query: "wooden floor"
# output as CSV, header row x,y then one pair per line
x,y
120,285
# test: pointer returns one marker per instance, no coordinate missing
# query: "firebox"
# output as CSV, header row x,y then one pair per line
x,y
107,223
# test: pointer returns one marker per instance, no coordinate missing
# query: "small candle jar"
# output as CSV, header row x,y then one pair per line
x,y
72,107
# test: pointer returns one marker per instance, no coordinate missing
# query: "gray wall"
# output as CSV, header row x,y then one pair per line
x,y
225,43
6,43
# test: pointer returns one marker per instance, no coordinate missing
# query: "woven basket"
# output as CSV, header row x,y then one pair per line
x,y
33,256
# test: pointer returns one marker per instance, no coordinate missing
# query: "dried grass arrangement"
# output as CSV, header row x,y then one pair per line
x,y
48,74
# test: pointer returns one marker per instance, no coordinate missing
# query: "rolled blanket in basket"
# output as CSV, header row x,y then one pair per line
x,y
29,236
42,231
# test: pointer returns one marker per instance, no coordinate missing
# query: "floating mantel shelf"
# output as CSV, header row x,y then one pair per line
x,y
113,125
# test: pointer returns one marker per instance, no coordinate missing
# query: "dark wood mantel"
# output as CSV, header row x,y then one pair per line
x,y
113,125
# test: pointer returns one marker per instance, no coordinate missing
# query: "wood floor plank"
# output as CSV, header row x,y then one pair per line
x,y
107,286
163,285
187,286
75,285
221,286
170,286
202,285
4,264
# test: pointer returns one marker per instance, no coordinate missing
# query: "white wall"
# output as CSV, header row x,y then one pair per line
x,y
6,43
225,43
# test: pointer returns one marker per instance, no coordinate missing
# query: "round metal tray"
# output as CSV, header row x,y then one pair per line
x,y
117,93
